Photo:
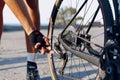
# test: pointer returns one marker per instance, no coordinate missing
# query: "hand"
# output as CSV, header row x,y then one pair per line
x,y
40,42
44,49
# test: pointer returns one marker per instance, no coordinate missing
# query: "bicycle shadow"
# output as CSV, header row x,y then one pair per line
x,y
82,71
80,75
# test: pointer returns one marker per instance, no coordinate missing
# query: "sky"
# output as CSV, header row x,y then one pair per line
x,y
45,7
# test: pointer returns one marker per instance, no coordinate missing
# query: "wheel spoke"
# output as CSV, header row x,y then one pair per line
x,y
79,32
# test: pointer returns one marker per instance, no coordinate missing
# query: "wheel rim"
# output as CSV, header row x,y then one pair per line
x,y
75,65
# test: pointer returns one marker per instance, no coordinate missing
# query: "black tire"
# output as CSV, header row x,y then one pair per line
x,y
117,19
107,20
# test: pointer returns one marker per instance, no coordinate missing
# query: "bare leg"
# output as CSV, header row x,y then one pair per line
x,y
19,9
1,16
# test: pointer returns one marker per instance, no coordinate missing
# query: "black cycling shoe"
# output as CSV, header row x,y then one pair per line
x,y
32,72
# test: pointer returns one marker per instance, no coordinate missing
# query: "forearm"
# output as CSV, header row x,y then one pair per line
x,y
33,9
19,9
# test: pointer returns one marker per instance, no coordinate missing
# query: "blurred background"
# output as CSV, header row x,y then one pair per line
x,y
11,22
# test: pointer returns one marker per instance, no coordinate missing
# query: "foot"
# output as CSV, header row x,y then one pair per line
x,y
32,72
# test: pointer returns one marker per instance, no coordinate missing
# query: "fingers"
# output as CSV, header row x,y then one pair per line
x,y
46,41
37,45
45,50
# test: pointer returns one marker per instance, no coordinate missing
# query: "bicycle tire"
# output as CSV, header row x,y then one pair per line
x,y
116,5
108,25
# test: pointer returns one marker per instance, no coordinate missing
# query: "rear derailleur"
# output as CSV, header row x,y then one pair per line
x,y
61,55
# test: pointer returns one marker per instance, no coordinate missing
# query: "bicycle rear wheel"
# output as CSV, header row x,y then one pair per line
x,y
78,32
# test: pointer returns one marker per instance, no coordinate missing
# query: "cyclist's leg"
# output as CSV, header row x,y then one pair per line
x,y
20,11
33,9
1,16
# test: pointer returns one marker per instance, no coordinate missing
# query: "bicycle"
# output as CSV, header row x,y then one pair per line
x,y
84,31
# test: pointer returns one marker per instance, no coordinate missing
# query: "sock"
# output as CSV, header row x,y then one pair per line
x,y
31,57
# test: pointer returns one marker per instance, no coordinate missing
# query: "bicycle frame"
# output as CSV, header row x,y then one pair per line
x,y
104,60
